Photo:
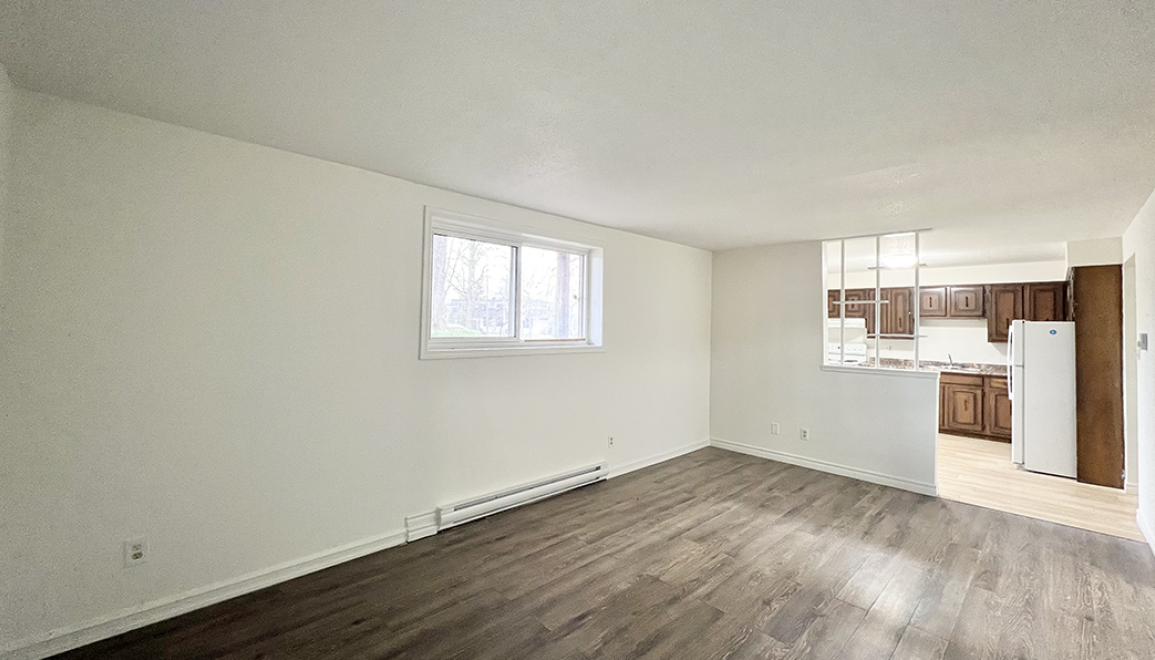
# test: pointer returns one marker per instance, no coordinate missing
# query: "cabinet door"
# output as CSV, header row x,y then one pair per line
x,y
932,302
1044,301
1004,304
861,311
965,302
898,313
998,412
964,407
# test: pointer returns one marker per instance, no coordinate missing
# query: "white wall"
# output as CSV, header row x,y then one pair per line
x,y
1139,241
6,91
963,340
1095,252
767,350
215,344
1028,271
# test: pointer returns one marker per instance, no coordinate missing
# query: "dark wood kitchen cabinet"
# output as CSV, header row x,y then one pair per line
x,y
852,311
932,302
955,302
861,311
898,312
998,303
1032,301
974,405
961,404
997,416
966,302
1004,304
1044,301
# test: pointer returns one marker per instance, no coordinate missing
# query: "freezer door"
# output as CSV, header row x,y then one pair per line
x,y
1015,342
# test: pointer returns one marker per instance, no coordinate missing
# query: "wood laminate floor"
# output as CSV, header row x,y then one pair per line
x,y
713,555
980,472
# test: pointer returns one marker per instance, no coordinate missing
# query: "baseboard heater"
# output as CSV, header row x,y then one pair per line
x,y
485,505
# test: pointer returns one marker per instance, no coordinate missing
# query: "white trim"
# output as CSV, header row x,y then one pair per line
x,y
1146,530
420,526
131,618
617,471
550,349
881,371
919,487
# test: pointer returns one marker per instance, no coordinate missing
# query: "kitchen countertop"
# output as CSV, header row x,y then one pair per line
x,y
970,368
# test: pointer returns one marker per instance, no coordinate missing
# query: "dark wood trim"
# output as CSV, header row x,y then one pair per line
x,y
980,436
1098,315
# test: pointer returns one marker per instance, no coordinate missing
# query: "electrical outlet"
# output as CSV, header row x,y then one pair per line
x,y
135,552
804,433
611,441
774,428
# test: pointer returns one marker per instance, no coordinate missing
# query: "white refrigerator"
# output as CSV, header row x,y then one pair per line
x,y
1041,372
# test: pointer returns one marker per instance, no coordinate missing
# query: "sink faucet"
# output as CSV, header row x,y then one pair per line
x,y
950,360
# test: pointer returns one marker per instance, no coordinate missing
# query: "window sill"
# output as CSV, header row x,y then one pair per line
x,y
908,373
505,351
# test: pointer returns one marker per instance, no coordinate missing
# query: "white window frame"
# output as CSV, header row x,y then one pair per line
x,y
876,304
460,225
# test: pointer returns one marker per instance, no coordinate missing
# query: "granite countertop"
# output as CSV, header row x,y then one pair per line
x,y
973,368
965,368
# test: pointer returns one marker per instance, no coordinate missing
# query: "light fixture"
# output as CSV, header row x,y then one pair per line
x,y
897,251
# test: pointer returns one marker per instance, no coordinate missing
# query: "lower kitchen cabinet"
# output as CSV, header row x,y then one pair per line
x,y
975,405
997,417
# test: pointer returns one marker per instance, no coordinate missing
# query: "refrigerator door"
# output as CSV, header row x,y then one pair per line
x,y
1045,396
1015,374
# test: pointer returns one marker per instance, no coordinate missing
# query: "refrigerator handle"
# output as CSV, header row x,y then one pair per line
x,y
1011,363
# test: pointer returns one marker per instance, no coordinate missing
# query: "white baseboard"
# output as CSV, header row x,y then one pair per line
x,y
61,640
1148,532
619,470
826,466
420,526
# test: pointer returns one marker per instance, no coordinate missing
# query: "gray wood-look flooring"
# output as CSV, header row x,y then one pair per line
x,y
712,555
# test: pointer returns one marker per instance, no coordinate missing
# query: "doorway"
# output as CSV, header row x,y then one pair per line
x,y
1130,377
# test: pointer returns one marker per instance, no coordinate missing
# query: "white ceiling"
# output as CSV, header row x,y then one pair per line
x,y
1006,126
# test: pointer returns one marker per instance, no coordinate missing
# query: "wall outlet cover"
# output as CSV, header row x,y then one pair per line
x,y
774,428
135,551
804,433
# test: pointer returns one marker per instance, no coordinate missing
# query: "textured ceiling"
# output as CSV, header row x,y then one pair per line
x,y
1006,126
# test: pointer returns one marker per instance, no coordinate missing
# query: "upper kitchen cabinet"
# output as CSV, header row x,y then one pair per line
x,y
1004,304
852,311
1033,301
932,302
965,302
897,314
1044,301
955,302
